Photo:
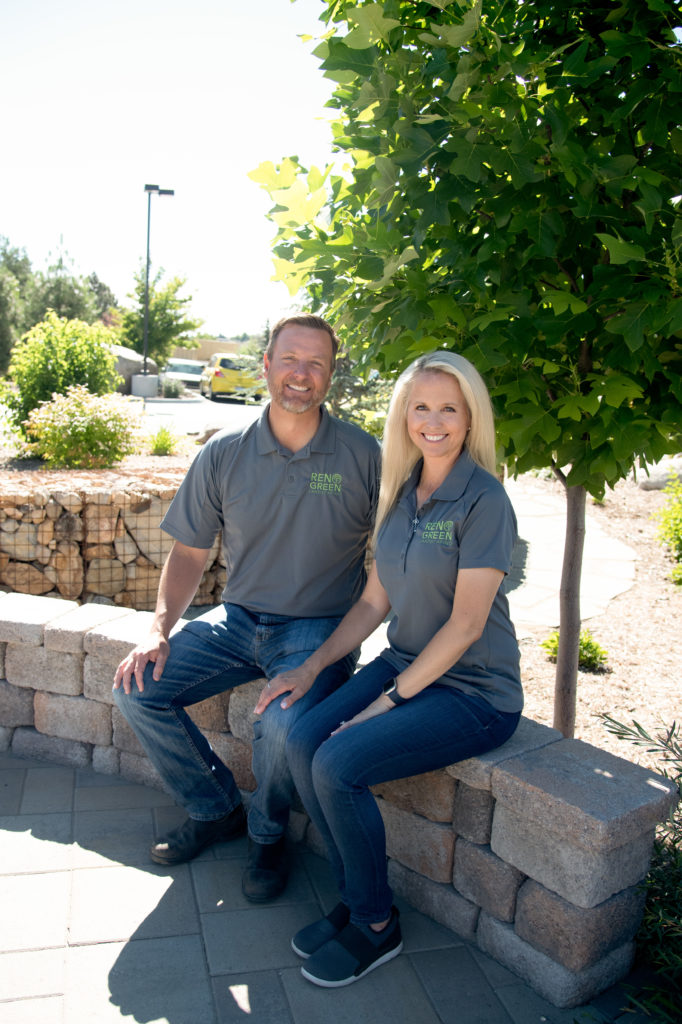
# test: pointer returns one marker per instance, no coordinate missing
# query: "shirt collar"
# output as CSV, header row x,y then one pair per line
x,y
324,439
455,483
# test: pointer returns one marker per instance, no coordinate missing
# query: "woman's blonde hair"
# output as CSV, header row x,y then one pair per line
x,y
400,454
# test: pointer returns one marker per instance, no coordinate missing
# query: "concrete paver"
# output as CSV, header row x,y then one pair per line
x,y
93,931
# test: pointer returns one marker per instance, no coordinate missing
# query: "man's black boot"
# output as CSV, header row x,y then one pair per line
x,y
267,871
190,838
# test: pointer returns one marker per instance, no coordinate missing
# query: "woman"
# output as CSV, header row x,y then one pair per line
x,y
448,686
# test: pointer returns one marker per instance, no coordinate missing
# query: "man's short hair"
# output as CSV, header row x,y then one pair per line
x,y
303,320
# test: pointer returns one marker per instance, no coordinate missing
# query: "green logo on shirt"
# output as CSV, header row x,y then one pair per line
x,y
438,533
330,483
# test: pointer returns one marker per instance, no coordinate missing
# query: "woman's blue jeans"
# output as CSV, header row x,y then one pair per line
x,y
333,773
211,654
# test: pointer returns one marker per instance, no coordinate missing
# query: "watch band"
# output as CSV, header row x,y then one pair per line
x,y
391,691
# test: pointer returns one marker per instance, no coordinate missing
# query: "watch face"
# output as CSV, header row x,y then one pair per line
x,y
391,691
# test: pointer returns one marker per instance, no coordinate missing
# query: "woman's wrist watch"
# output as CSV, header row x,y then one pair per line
x,y
391,691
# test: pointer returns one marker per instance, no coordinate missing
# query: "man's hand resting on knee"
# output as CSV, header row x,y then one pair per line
x,y
155,648
180,578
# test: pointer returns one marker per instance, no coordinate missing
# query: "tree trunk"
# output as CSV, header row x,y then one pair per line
x,y
569,613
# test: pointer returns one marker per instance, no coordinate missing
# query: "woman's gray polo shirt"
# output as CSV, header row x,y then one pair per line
x,y
468,523
295,526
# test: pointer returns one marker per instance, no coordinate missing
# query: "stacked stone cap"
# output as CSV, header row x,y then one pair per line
x,y
23,617
68,631
477,772
578,819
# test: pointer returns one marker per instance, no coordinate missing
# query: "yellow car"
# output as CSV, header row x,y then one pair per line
x,y
227,374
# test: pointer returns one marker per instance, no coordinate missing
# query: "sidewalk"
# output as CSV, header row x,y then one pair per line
x,y
92,931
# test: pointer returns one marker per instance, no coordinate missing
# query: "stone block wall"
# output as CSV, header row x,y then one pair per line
x,y
91,538
534,852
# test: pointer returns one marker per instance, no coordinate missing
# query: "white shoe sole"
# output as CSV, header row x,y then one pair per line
x,y
323,983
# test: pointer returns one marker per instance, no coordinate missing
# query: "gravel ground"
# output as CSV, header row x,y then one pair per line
x,y
640,630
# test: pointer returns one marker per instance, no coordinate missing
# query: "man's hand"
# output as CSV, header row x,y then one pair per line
x,y
155,648
297,682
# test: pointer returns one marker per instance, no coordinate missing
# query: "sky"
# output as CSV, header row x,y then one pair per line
x,y
101,97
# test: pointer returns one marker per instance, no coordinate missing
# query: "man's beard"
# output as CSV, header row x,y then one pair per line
x,y
310,400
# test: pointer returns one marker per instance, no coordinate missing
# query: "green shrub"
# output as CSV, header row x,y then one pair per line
x,y
591,656
670,524
56,354
163,442
83,431
171,389
659,939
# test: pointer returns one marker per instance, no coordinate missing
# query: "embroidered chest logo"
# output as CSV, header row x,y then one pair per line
x,y
326,483
438,533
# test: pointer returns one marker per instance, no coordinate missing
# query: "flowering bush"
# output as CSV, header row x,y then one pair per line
x,y
80,430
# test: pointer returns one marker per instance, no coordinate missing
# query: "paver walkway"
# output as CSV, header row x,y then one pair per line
x,y
91,932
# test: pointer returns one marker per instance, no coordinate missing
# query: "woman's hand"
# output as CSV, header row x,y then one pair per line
x,y
378,707
297,682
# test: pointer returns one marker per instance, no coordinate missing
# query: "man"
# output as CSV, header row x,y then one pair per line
x,y
294,495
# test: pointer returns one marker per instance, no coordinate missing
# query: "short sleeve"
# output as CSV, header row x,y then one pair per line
x,y
488,532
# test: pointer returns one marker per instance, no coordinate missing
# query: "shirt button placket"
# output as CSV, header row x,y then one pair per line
x,y
290,480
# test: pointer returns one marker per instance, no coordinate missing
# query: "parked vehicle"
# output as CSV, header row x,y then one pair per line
x,y
227,374
185,371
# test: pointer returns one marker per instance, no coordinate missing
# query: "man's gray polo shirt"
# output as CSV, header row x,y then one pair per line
x,y
467,523
295,526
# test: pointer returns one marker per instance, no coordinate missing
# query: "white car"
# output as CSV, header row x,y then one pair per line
x,y
186,371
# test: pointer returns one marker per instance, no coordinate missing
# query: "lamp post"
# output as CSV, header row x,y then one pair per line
x,y
150,190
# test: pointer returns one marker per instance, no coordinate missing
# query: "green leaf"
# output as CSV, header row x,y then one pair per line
x,y
393,265
617,390
467,163
619,251
577,407
561,301
270,176
631,324
371,26
446,311
457,35
480,323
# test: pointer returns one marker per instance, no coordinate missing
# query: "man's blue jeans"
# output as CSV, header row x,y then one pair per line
x,y
216,652
333,773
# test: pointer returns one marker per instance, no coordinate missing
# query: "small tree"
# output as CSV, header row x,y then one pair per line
x,y
56,354
60,289
169,323
103,297
511,191
362,400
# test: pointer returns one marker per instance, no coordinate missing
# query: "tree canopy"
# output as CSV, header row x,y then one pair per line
x,y
27,294
511,191
169,324
63,291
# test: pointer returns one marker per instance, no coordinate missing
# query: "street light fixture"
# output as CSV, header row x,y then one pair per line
x,y
150,190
